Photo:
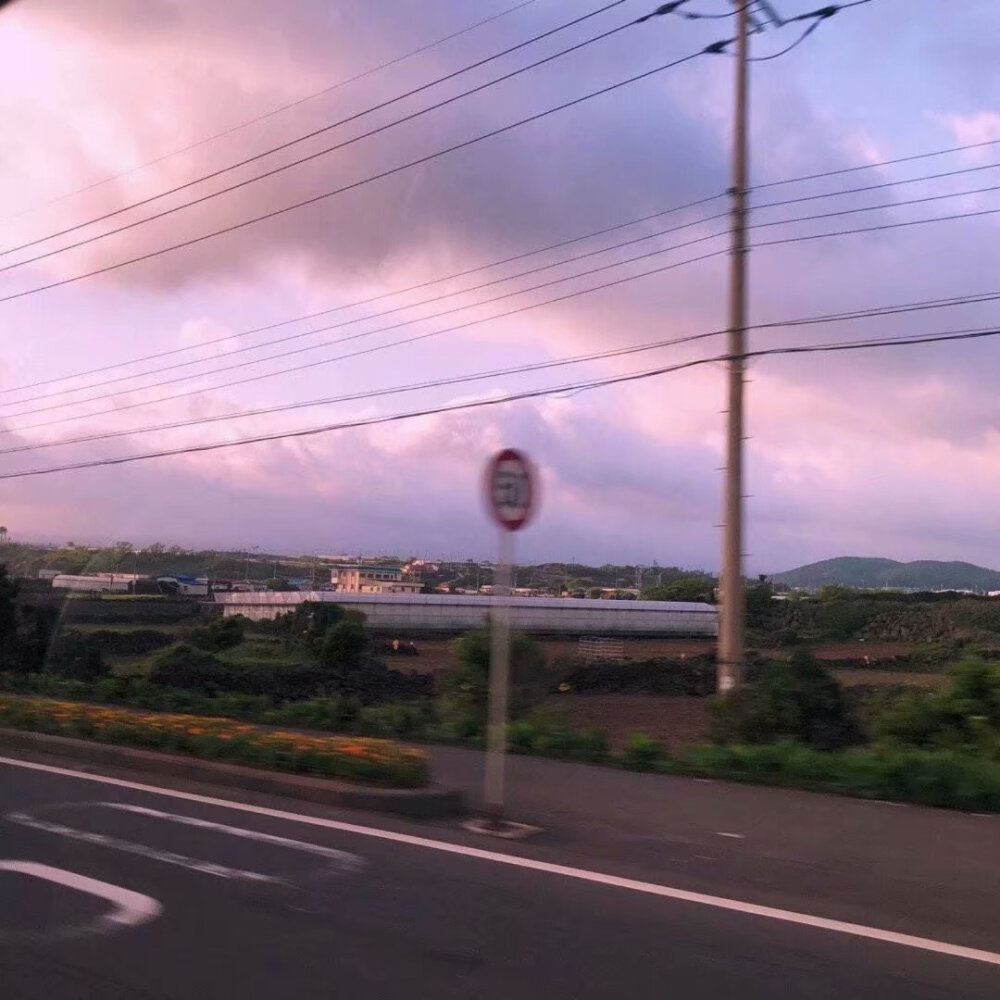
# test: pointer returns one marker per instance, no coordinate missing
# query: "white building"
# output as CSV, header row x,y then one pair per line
x,y
453,613
96,583
362,578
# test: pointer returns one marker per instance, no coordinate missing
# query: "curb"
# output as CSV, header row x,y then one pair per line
x,y
434,802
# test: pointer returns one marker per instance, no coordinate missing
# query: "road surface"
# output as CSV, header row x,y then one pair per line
x,y
113,888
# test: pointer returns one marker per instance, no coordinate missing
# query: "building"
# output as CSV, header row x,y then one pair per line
x,y
96,583
449,614
362,578
181,583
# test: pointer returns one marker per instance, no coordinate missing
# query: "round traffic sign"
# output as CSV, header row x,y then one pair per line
x,y
510,489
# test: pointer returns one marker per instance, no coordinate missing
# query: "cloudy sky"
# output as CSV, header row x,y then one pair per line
x,y
108,103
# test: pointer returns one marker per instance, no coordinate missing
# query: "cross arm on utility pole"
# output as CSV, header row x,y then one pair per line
x,y
754,21
768,8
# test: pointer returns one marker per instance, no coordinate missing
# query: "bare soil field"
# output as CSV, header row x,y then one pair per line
x,y
436,655
676,721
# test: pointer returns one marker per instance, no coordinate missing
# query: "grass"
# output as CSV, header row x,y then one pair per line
x,y
257,649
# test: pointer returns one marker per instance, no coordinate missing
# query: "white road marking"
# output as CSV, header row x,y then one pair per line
x,y
530,864
131,909
143,850
346,860
733,836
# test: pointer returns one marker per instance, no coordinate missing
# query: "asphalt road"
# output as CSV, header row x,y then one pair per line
x,y
115,891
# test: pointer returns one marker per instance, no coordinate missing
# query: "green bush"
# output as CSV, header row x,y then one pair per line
x,y
76,656
550,733
465,689
134,642
344,645
945,779
223,633
643,753
798,700
965,716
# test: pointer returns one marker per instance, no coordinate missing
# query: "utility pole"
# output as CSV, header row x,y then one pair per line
x,y
730,668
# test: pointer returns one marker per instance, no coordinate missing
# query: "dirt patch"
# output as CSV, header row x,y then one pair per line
x,y
437,655
677,721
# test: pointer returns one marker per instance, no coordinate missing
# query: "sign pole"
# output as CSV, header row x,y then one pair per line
x,y
496,745
511,498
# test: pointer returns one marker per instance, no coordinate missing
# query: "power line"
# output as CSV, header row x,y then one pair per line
x,y
275,111
531,271
363,181
370,299
880,228
880,163
388,312
366,395
817,17
869,313
875,187
311,135
481,267
394,326
496,401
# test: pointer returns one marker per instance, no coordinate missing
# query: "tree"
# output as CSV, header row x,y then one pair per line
x,y
467,686
8,614
278,583
344,645
699,589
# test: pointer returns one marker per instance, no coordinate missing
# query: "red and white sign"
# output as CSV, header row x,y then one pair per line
x,y
510,489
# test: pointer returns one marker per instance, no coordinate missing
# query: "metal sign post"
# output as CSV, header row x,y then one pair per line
x,y
496,726
510,495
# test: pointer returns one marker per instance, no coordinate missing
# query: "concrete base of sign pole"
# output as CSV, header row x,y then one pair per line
x,y
505,829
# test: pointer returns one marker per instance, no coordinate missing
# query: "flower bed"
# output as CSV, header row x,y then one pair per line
x,y
372,761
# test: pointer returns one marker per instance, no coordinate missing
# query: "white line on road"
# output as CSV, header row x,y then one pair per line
x,y
346,860
513,861
733,836
143,850
130,908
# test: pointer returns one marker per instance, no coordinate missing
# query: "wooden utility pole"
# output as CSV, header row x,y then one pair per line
x,y
731,625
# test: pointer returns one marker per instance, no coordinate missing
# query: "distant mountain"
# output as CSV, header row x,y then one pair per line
x,y
857,571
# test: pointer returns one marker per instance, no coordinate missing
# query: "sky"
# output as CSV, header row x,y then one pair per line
x,y
888,452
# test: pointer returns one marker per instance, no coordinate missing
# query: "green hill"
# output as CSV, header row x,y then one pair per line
x,y
861,572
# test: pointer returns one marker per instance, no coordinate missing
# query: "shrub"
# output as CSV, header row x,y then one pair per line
x,y
551,734
76,656
223,633
136,642
642,752
945,779
184,666
798,700
344,645
466,687
965,716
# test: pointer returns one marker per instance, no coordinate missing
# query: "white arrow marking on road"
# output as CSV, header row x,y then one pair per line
x,y
514,861
131,909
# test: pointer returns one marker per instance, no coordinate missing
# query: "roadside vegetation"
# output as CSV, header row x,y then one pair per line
x,y
319,668
371,761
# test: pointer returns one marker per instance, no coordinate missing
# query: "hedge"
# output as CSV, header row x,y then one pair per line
x,y
350,758
931,778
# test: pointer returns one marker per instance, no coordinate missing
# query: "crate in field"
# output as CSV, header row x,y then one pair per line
x,y
597,648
